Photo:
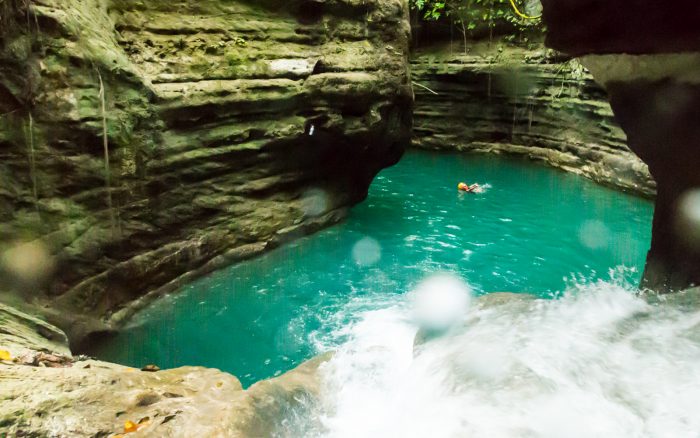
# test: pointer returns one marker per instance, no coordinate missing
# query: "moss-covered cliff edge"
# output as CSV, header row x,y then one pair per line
x,y
230,127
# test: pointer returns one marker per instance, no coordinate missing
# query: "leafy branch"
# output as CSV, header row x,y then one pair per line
x,y
471,15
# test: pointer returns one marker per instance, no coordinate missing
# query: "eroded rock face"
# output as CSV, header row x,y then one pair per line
x,y
28,334
230,126
59,395
661,112
522,102
655,94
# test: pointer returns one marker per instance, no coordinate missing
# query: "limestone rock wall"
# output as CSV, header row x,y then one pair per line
x,y
647,55
48,392
522,102
231,126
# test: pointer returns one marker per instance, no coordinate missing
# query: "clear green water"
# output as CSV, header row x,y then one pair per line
x,y
534,230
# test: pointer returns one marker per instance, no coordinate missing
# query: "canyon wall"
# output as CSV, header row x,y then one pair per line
x,y
512,100
144,143
647,55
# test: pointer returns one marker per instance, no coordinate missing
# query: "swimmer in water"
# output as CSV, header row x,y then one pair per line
x,y
469,188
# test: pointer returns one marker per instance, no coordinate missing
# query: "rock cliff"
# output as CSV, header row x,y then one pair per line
x,y
144,143
647,55
524,102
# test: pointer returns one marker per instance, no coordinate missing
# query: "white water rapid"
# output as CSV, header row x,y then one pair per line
x,y
599,362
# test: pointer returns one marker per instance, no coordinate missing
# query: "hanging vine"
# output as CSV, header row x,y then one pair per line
x,y
521,15
32,161
105,145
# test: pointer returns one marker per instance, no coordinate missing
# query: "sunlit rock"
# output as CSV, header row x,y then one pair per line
x,y
55,394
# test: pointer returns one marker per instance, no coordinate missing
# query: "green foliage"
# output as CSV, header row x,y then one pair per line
x,y
234,58
474,14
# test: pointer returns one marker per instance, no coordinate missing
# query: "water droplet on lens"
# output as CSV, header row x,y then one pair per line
x,y
314,202
688,218
366,252
29,263
594,234
440,301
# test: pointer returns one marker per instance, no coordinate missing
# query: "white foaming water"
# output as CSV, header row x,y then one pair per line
x,y
599,362
440,302
483,188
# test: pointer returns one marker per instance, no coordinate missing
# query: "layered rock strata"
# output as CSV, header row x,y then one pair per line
x,y
143,143
522,102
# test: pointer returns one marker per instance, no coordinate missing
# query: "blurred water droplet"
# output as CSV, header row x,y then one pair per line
x,y
514,82
366,252
688,218
533,7
440,302
672,100
314,202
27,263
594,234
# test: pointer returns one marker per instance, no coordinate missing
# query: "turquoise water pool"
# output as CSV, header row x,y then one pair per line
x,y
534,230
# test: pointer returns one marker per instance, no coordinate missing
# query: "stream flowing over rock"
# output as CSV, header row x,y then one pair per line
x,y
229,127
522,102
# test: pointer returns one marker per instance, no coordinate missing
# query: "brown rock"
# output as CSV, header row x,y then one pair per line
x,y
151,368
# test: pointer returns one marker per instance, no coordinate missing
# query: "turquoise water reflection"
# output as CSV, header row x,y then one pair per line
x,y
533,229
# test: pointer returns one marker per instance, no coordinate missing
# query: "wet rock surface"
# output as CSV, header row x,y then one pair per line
x,y
522,102
29,334
228,125
86,398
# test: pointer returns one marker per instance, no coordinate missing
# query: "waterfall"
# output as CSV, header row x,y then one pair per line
x,y
599,362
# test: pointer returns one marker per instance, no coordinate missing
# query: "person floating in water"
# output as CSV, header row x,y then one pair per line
x,y
464,187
